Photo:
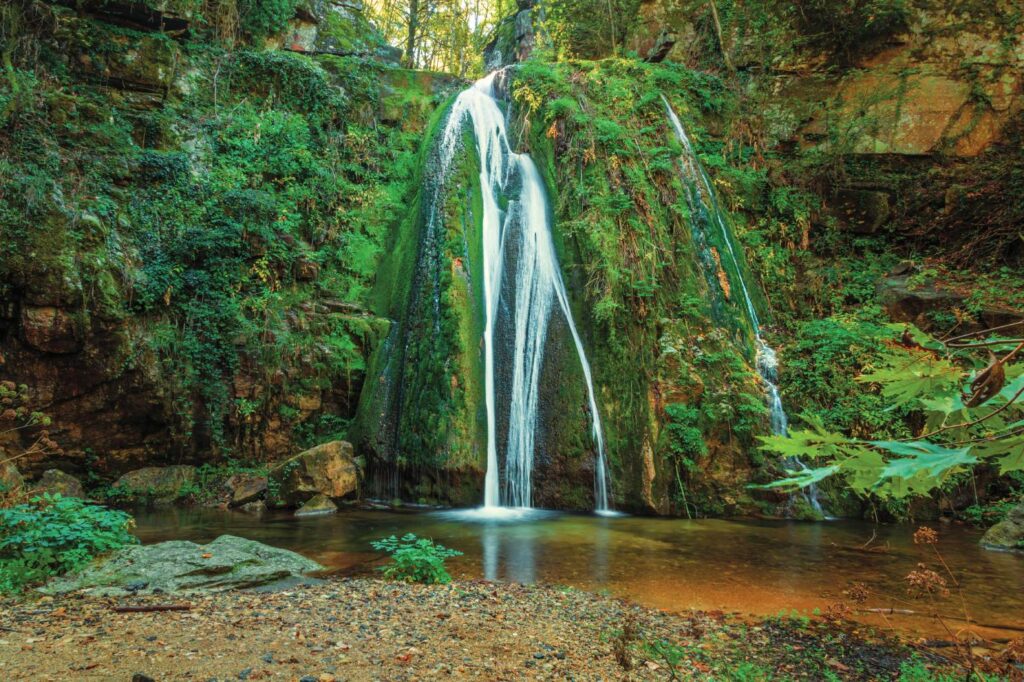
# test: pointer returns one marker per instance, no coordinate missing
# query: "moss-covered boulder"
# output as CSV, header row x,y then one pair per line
x,y
317,505
1008,534
57,482
160,484
227,563
329,469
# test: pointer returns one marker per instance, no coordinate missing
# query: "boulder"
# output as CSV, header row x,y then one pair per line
x,y
55,481
10,477
179,566
906,301
245,488
162,484
317,506
329,469
1008,534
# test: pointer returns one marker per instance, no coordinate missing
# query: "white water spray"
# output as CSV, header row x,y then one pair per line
x,y
517,237
766,360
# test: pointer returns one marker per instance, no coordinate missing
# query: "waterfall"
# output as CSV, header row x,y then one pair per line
x,y
702,198
516,239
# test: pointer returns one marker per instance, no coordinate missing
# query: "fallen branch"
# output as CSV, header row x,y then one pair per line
x,y
151,607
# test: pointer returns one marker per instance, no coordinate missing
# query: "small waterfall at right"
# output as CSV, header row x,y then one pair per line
x,y
706,214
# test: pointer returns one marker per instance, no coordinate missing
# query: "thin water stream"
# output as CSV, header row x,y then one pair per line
x,y
758,567
522,286
705,208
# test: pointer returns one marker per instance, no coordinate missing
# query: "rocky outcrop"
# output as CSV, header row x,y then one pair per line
x,y
57,482
50,329
906,300
329,470
1008,534
178,566
159,484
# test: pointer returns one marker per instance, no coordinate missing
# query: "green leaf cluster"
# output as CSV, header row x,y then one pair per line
x,y
927,379
52,534
415,559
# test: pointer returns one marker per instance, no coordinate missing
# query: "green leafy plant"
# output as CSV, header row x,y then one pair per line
x,y
415,559
52,534
964,425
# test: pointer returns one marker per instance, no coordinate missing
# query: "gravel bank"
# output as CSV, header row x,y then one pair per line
x,y
365,629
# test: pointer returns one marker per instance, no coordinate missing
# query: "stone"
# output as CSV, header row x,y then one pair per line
x,y
329,469
50,329
135,61
55,481
316,506
180,566
1008,534
257,507
663,44
161,484
907,301
245,488
10,477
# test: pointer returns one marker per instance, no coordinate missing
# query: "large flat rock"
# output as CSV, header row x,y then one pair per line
x,y
178,566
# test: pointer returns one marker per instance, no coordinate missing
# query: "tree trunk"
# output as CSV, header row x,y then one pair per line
x,y
718,30
410,41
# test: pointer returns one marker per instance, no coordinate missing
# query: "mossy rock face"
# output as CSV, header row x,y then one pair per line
x,y
1008,534
55,481
329,470
178,566
161,484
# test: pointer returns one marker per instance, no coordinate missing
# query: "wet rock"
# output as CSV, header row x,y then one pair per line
x,y
316,506
55,481
329,469
50,329
245,488
160,484
178,566
1008,534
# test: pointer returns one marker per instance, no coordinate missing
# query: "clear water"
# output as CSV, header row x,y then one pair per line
x,y
759,567
766,360
517,245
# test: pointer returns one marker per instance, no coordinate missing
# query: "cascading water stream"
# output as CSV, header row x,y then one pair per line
x,y
517,238
766,360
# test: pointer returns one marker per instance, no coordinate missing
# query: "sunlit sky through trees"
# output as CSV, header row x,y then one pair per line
x,y
446,35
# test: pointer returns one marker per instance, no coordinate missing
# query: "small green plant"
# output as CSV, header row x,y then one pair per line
x,y
666,652
415,559
52,534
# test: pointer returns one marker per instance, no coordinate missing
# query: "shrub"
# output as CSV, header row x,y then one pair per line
x,y
52,534
415,559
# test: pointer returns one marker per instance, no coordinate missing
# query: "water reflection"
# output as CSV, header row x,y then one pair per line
x,y
754,566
